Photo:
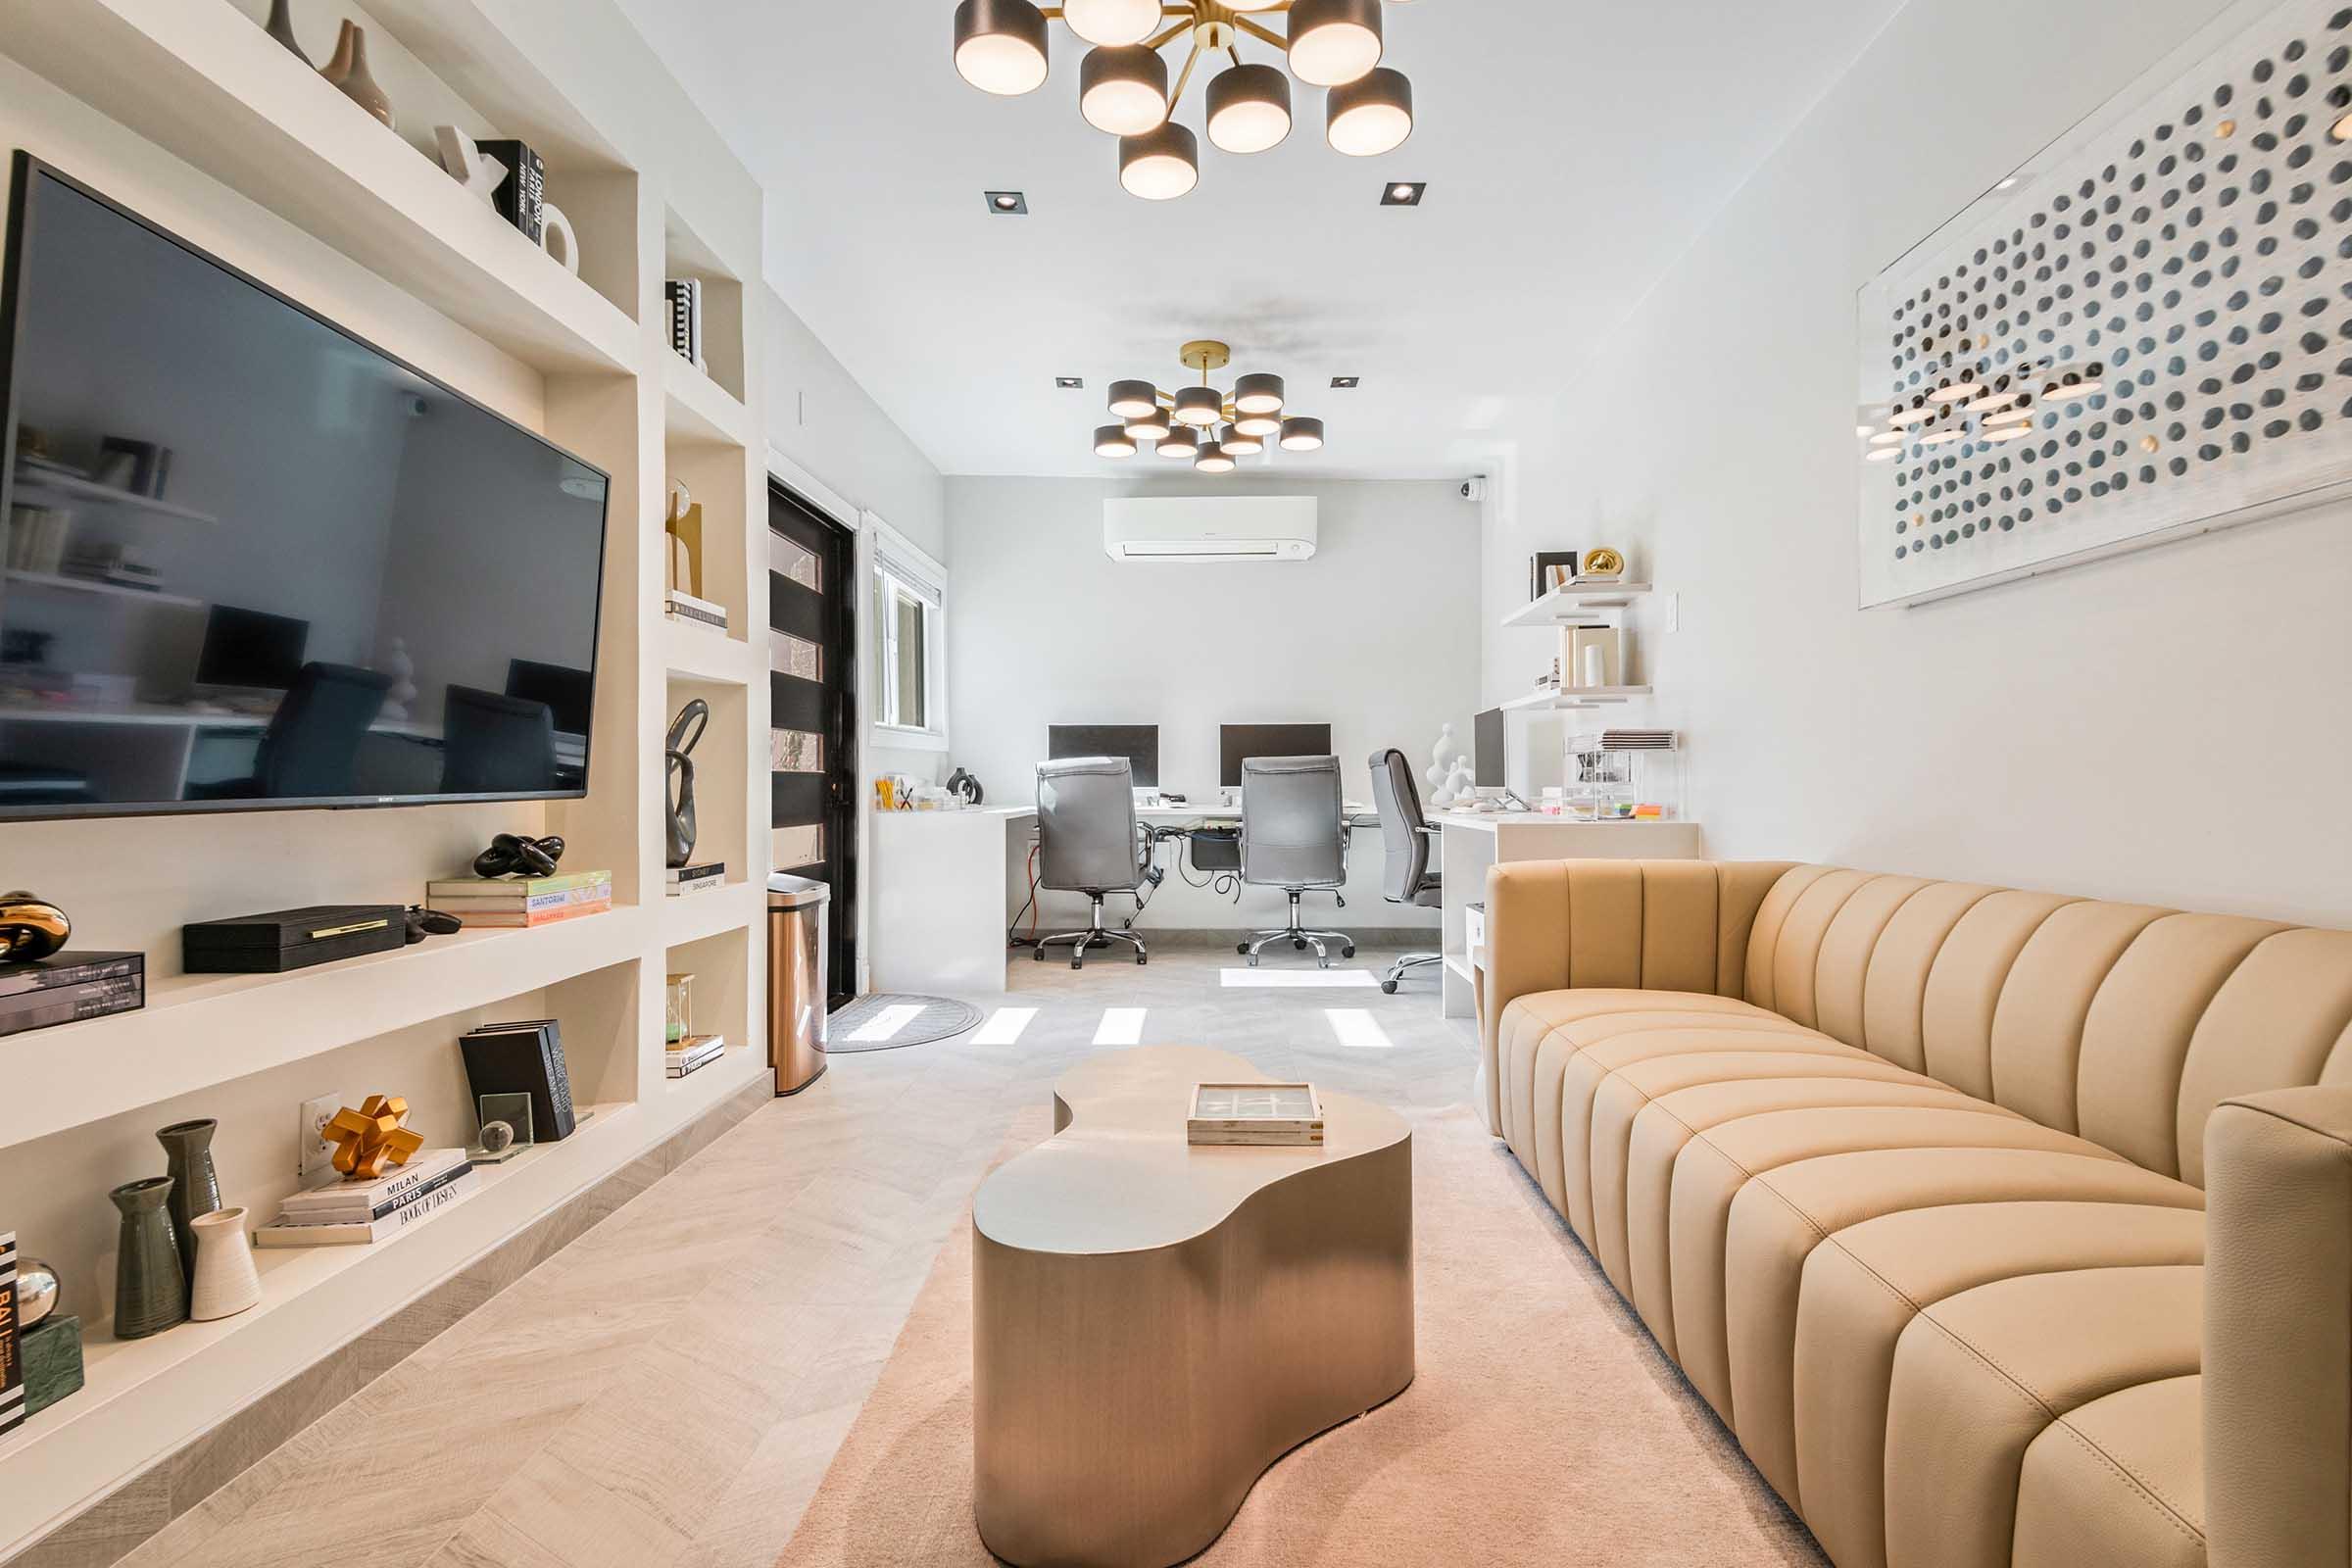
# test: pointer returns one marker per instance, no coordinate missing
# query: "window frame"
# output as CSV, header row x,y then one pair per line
x,y
897,570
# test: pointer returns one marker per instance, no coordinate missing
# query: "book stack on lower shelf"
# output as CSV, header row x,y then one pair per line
x,y
680,880
357,1213
521,901
692,1052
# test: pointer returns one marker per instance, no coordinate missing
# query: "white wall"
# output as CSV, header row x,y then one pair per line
x,y
2170,726
1377,636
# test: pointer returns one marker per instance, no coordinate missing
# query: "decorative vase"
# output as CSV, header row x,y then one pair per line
x,y
151,1289
195,1185
357,84
339,64
281,28
226,1282
30,927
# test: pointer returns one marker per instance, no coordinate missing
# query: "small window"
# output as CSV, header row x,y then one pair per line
x,y
909,695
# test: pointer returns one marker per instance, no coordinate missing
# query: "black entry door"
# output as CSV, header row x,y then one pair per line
x,y
812,709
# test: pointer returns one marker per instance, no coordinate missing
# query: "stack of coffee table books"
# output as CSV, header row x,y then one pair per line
x,y
356,1213
693,1053
1284,1114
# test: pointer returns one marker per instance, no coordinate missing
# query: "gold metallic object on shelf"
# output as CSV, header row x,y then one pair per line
x,y
30,927
370,1138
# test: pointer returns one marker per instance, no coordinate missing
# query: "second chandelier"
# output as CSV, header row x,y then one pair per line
x,y
1211,427
1123,86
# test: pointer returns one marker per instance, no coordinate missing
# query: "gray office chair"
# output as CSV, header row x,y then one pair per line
x,y
1088,841
1406,834
492,744
1294,837
311,748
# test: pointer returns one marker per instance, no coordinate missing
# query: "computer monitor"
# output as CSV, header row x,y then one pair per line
x,y
250,650
1237,740
1138,743
1488,755
570,693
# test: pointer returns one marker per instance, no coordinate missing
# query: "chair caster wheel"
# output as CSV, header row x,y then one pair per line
x,y
1300,946
1389,986
1240,947
1143,957
1039,953
1347,951
1077,962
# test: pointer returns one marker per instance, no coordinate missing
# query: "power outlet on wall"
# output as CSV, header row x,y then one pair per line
x,y
317,1154
1674,611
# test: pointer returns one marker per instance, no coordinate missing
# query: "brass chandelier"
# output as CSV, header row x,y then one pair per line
x,y
1211,427
1123,86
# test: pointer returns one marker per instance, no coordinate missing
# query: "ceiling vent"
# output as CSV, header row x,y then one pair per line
x,y
1204,529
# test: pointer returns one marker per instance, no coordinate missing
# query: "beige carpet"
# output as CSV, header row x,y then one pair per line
x,y
1542,1425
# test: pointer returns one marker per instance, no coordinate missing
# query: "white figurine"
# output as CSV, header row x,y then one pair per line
x,y
1437,756
1459,787
480,173
402,670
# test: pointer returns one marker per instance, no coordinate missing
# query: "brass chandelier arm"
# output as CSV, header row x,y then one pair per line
x,y
1260,33
1169,35
1176,93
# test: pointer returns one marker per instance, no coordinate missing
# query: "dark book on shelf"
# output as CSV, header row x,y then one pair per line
x,y
1540,563
523,1059
521,197
12,1338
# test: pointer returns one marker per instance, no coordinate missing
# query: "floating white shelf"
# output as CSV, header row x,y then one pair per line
x,y
691,916
701,411
202,1029
92,585
32,482
1566,604
1573,696
225,96
691,650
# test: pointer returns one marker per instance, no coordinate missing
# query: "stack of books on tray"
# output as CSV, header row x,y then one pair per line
x,y
683,606
692,1052
680,880
356,1213
70,986
521,901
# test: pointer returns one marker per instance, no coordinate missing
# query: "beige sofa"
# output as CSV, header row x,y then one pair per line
x,y
2001,1228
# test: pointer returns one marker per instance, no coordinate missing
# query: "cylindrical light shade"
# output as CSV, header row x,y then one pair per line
x,y
1333,42
1151,427
1123,90
1370,116
1132,400
1199,404
1301,434
1114,441
1159,165
1000,45
1238,445
1249,107
1111,22
1181,441
1257,394
1257,424
1212,459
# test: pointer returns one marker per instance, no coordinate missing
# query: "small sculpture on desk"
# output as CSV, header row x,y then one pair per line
x,y
30,927
370,1138
685,733
1460,785
403,669
519,855
1437,756
965,788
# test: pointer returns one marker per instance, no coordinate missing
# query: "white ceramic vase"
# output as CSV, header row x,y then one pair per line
x,y
225,1282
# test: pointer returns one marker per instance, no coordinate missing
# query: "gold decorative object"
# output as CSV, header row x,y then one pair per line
x,y
30,927
370,1138
1602,563
682,527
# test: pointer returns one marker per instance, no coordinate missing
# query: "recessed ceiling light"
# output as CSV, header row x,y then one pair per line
x,y
1403,193
1069,383
1345,382
1009,203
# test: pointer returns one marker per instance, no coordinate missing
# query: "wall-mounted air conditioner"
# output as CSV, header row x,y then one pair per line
x,y
1209,529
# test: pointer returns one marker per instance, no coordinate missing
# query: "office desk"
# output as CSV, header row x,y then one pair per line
x,y
1210,814
938,886
1472,841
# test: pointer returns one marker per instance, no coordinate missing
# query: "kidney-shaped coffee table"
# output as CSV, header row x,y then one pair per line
x,y
1153,1324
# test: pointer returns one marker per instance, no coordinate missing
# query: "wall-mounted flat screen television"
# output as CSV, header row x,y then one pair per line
x,y
255,562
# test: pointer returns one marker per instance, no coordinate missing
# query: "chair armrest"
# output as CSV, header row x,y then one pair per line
x,y
2278,1361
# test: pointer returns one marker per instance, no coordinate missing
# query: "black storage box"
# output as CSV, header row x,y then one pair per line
x,y
523,1059
291,939
1216,849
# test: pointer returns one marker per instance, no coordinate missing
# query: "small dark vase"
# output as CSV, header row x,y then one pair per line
x,y
151,1287
195,1184
281,28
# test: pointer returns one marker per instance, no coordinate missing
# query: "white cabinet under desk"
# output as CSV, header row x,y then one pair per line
x,y
1472,841
938,886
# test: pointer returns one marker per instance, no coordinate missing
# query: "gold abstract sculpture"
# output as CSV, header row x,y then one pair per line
x,y
369,1138
1603,564
30,927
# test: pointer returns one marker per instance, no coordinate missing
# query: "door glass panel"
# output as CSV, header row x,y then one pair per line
x,y
795,751
788,558
797,845
788,655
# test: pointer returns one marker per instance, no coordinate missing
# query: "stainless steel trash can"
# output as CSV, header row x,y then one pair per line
x,y
796,980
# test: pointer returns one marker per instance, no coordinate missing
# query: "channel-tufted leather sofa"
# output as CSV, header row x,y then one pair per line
x,y
2002,1228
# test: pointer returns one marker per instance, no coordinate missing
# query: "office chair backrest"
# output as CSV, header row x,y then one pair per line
x,y
1398,802
312,745
1086,825
1291,827
496,745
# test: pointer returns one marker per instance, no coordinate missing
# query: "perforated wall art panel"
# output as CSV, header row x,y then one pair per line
x,y
2143,333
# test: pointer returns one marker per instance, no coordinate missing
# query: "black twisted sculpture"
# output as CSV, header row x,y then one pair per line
x,y
514,854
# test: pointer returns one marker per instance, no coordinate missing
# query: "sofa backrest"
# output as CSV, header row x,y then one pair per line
x,y
2124,1023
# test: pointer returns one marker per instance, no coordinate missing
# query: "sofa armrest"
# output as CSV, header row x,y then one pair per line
x,y
2278,1361
1658,925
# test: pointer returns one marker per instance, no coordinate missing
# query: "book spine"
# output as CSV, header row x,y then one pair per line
x,y
381,1204
519,887
324,1234
54,977
679,612
559,1077
529,919
98,999
458,904
11,1337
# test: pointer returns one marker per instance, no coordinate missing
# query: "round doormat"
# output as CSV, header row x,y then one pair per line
x,y
889,1019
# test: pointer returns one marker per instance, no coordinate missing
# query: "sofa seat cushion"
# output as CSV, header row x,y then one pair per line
x,y
2118,1483
1864,1285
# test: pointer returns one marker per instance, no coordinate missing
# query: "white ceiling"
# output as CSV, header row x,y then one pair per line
x,y
1573,148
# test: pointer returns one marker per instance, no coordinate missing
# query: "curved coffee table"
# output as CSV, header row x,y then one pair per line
x,y
1153,1324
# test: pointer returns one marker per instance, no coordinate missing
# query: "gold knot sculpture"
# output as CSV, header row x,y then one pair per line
x,y
369,1138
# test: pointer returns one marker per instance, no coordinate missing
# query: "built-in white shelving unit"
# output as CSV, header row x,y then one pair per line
x,y
188,112
1573,603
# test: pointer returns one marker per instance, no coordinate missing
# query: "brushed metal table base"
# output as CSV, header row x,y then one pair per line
x,y
1154,1324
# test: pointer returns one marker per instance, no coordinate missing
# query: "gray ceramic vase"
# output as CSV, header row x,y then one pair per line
x,y
195,1184
151,1288
281,28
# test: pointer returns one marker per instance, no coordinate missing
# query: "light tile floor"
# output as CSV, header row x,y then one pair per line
x,y
670,1387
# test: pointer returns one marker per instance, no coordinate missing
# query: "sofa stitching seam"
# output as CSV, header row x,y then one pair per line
x,y
2164,1507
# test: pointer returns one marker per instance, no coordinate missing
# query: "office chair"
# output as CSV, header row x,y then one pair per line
x,y
312,744
1294,837
1406,834
1088,841
494,745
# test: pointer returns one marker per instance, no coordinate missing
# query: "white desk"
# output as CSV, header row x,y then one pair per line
x,y
1472,841
1218,814
938,885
